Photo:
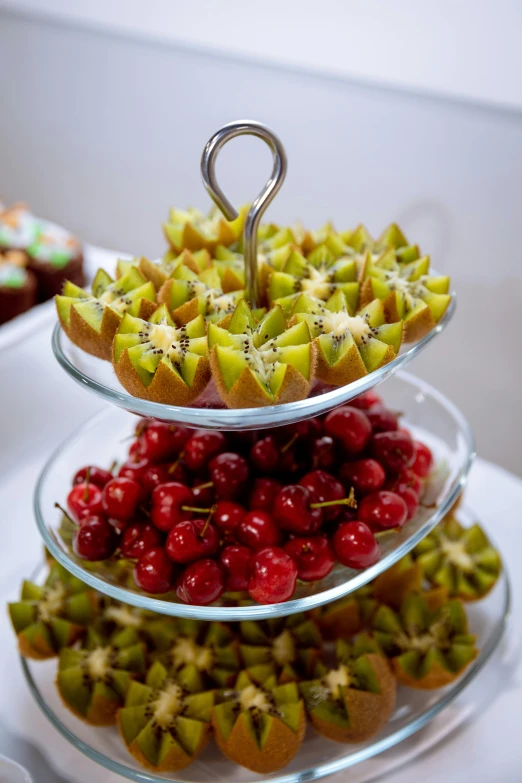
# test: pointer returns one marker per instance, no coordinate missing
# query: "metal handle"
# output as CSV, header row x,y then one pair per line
x,y
259,205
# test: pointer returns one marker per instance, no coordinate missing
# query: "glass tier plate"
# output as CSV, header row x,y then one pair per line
x,y
98,376
427,413
317,756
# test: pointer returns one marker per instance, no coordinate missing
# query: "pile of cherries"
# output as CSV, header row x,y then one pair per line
x,y
206,512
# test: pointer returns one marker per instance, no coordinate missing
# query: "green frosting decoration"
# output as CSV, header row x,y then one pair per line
x,y
12,276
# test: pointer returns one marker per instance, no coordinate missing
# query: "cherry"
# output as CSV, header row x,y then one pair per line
x,y
264,454
235,561
120,498
423,461
323,453
134,468
154,572
273,575
383,509
349,426
313,555
138,538
263,493
201,583
160,442
84,500
204,493
227,515
382,419
192,539
171,503
411,499
257,530
355,545
394,450
293,512
366,400
405,479
324,488
308,428
95,539
202,447
135,449
97,476
162,473
364,475
229,472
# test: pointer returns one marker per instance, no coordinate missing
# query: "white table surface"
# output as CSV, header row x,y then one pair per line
x,y
40,407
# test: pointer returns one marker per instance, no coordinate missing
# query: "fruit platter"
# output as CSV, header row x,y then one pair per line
x,y
257,562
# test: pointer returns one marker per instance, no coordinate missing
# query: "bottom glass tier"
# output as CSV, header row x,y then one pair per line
x,y
317,757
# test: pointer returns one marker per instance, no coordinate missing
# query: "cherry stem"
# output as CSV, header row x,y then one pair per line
x,y
175,464
383,533
87,479
197,510
66,515
290,443
211,512
204,486
349,501
113,466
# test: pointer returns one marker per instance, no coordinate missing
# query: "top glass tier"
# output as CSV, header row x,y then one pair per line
x,y
98,376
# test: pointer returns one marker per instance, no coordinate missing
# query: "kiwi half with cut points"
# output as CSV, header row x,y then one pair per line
x,y
408,292
320,276
158,361
427,648
93,681
347,616
52,616
256,363
353,701
348,346
259,726
188,295
193,230
159,271
91,320
164,723
291,645
459,559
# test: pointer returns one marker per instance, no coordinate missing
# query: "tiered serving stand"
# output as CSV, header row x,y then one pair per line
x,y
427,413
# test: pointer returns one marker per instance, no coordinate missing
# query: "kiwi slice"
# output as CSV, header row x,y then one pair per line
x,y
193,230
158,361
320,276
348,346
163,722
461,560
408,292
159,271
188,295
256,363
347,616
259,726
93,681
291,645
427,648
52,616
354,700
361,241
208,653
90,320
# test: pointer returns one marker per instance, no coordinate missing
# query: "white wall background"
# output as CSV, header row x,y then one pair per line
x,y
103,133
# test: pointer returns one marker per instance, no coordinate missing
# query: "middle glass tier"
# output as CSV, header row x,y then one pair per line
x,y
427,413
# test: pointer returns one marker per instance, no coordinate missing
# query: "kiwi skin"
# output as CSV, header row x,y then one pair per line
x,y
101,713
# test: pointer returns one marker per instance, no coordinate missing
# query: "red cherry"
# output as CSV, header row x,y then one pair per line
x,y
323,453
97,476
191,540
202,447
313,555
201,583
95,539
383,509
292,510
154,572
84,500
411,499
162,473
349,426
366,400
405,479
308,428
204,493
168,504
324,488
120,498
160,442
364,475
423,462
229,472
355,545
138,538
263,493
257,530
235,561
134,468
264,454
273,575
382,419
394,450
228,515
135,449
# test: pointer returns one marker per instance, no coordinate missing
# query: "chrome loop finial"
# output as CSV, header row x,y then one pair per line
x,y
260,203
